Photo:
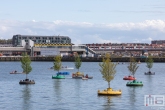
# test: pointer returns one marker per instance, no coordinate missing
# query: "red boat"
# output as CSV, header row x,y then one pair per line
x,y
129,78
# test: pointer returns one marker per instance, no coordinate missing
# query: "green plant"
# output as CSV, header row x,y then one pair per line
x,y
25,61
77,62
132,67
107,69
57,63
149,62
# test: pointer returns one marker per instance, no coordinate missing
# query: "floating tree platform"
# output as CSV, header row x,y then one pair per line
x,y
149,73
109,91
134,83
27,81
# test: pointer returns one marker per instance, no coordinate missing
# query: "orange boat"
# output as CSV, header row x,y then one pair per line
x,y
129,78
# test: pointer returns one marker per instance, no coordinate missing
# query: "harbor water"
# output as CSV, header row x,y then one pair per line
x,y
77,94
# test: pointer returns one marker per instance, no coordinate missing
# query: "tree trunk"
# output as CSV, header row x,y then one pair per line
x,y
108,84
26,76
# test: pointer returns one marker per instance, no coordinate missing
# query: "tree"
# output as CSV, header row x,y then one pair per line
x,y
149,62
57,63
26,61
107,69
77,62
132,67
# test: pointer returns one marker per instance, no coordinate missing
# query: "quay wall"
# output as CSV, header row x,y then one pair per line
x,y
87,59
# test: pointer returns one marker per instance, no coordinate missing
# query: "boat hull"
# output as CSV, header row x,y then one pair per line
x,y
129,78
16,73
134,84
58,77
77,77
67,68
84,78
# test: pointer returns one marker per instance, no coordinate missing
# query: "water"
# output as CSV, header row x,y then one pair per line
x,y
76,94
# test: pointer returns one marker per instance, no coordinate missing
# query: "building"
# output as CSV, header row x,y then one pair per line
x,y
158,42
16,40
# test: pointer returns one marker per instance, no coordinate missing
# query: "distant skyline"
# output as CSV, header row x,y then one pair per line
x,y
85,21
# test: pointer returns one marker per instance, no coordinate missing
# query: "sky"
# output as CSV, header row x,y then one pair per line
x,y
85,21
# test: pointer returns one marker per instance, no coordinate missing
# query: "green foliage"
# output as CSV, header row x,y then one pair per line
x,y
107,69
57,63
132,67
77,62
149,62
25,61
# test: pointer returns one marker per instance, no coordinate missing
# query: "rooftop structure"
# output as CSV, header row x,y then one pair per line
x,y
158,42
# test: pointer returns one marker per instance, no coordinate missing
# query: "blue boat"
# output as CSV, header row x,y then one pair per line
x,y
63,73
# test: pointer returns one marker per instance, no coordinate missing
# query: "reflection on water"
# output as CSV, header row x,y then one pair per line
x,y
110,101
133,91
57,89
26,95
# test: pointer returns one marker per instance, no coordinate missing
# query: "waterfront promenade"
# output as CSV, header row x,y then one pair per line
x,y
84,59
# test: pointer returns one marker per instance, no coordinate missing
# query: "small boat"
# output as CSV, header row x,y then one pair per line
x,y
79,75
15,72
58,77
129,78
149,73
109,91
62,68
90,77
67,67
84,78
139,62
134,83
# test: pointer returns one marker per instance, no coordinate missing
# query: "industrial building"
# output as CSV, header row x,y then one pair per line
x,y
16,40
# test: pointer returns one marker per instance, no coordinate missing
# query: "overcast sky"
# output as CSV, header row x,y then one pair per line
x,y
85,21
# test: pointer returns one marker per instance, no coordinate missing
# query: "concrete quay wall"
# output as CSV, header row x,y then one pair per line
x,y
71,59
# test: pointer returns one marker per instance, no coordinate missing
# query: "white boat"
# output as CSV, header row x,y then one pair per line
x,y
62,68
139,62
67,67
84,78
15,72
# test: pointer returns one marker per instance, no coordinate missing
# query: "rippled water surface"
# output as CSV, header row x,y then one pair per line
x,y
76,94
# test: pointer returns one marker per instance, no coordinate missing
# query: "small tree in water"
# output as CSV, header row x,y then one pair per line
x,y
107,69
57,63
77,62
149,62
132,67
25,61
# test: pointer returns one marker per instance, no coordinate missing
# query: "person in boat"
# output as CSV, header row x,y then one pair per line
x,y
15,71
86,76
